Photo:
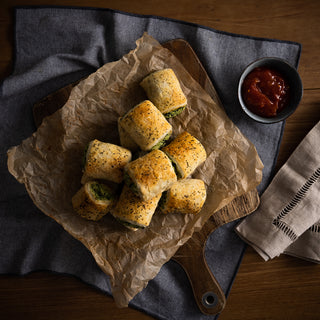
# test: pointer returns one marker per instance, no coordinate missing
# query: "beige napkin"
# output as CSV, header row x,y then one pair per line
x,y
288,219
307,246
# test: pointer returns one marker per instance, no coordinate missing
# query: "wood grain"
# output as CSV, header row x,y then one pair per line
x,y
191,255
284,288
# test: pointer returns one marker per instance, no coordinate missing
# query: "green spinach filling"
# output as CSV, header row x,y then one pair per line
x,y
162,200
176,171
128,224
175,112
128,181
162,142
100,191
84,157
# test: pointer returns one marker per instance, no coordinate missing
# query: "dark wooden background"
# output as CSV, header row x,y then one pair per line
x,y
284,288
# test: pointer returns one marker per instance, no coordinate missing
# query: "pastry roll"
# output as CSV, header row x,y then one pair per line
x,y
93,200
132,211
185,196
150,174
146,126
163,89
125,140
105,161
186,153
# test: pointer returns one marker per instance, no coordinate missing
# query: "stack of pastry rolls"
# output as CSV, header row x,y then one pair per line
x,y
145,126
102,162
160,178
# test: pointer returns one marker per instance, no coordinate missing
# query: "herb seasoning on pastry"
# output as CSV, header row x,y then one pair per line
x,y
150,174
132,211
93,200
185,196
163,89
146,126
125,140
186,154
105,161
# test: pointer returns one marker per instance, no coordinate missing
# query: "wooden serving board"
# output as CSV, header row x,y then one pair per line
x,y
208,293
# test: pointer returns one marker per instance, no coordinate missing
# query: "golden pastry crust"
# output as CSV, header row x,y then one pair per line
x,y
185,196
186,152
132,210
163,89
88,206
151,174
105,161
146,125
125,140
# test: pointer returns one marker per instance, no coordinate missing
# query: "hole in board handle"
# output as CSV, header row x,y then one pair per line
x,y
210,299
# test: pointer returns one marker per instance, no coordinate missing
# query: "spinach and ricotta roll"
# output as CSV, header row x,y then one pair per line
x,y
146,126
163,89
93,200
186,154
125,140
185,196
150,174
132,211
105,161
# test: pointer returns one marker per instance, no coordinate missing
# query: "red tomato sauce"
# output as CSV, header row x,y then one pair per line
x,y
265,92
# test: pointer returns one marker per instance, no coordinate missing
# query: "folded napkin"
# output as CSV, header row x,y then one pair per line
x,y
287,220
307,246
55,46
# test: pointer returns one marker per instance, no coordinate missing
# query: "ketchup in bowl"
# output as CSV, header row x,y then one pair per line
x,y
265,92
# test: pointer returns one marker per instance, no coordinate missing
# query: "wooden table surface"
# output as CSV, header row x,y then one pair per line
x,y
284,288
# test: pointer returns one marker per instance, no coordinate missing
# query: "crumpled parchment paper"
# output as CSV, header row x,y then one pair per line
x,y
49,163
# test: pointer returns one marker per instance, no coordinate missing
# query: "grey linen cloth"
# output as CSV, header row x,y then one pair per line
x,y
55,46
288,218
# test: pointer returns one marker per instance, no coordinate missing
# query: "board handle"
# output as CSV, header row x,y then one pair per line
x,y
208,294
